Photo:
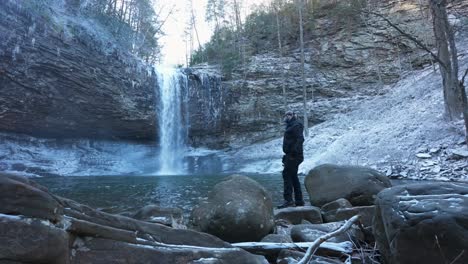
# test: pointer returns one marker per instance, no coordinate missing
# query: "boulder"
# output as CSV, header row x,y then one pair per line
x,y
287,256
295,215
161,215
103,251
335,205
423,223
309,233
359,185
277,238
238,209
32,241
20,197
366,213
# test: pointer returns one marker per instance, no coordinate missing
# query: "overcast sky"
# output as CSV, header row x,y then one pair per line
x,y
174,49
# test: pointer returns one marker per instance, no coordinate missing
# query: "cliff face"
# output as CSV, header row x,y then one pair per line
x,y
61,75
345,62
57,80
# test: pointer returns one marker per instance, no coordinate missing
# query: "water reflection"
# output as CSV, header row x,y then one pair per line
x,y
119,193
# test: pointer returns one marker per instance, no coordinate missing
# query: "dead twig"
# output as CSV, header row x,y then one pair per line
x,y
462,82
316,244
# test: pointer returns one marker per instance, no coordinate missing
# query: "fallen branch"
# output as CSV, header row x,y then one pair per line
x,y
327,248
316,244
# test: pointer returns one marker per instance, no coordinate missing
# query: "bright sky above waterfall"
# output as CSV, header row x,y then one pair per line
x,y
174,48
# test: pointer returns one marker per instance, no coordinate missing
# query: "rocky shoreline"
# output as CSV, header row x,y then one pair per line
x,y
397,224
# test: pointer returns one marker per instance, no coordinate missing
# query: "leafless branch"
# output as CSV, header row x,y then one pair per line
x,y
462,82
316,244
408,36
459,256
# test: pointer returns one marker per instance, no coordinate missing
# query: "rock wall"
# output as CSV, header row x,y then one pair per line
x,y
344,60
60,77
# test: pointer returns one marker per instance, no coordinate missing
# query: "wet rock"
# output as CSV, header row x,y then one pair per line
x,y
422,223
18,197
359,185
295,215
290,256
32,241
97,250
163,233
335,205
238,209
366,213
161,215
277,238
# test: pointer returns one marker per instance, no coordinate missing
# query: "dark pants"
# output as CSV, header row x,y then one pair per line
x,y
291,181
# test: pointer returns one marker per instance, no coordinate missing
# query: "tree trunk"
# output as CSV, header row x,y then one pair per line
x,y
301,35
280,49
453,100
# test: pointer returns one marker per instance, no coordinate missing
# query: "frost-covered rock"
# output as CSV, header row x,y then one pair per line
x,y
295,215
423,223
310,232
359,185
60,78
238,209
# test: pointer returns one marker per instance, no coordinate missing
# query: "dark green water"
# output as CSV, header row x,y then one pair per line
x,y
119,193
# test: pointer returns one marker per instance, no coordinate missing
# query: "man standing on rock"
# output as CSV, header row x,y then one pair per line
x,y
293,156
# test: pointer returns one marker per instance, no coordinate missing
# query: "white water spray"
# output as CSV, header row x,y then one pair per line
x,y
172,116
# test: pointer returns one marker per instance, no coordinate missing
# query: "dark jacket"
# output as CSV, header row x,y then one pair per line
x,y
293,139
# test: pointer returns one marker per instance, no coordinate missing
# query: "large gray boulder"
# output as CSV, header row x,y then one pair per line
x,y
423,223
359,185
238,209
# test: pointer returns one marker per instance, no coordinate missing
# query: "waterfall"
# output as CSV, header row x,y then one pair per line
x,y
173,120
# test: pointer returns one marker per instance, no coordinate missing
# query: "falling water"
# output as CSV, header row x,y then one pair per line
x,y
172,116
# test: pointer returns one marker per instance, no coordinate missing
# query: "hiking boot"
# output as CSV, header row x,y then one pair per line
x,y
300,203
286,204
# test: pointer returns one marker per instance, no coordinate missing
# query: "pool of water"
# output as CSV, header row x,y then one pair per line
x,y
120,193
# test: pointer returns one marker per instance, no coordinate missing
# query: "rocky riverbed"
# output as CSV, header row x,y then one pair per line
x,y
238,217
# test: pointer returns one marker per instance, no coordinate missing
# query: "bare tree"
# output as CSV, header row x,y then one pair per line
x,y
277,7
455,101
447,53
304,90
